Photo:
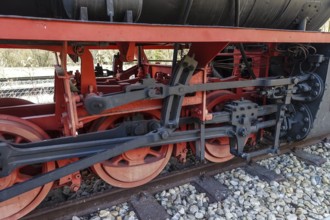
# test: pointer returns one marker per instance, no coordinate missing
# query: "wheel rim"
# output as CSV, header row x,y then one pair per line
x,y
136,167
217,150
16,130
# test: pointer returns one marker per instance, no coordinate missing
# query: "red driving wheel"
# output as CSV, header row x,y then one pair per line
x,y
135,167
16,130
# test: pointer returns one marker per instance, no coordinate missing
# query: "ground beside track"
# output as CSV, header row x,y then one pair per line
x,y
304,194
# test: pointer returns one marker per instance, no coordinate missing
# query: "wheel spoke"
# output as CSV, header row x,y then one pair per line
x,y
115,161
18,139
21,177
155,153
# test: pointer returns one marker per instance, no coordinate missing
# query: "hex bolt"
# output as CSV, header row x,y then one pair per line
x,y
302,109
304,130
243,132
306,119
164,134
151,92
298,137
315,93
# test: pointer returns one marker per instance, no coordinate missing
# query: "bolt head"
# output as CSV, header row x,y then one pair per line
x,y
243,132
164,134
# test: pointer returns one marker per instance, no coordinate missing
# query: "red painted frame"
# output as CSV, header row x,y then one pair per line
x,y
206,43
16,28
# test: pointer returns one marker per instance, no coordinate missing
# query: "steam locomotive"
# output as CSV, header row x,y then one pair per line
x,y
246,78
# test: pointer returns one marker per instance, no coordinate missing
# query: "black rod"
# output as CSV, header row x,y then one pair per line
x,y
240,45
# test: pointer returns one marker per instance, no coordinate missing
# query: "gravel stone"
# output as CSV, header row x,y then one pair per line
x,y
291,217
199,215
182,211
104,213
193,209
109,218
115,213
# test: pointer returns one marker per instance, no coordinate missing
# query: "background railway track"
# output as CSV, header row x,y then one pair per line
x,y
145,205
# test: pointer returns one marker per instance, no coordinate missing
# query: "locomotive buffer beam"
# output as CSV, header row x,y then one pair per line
x,y
149,89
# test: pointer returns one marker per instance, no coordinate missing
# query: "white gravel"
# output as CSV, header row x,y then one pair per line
x,y
184,202
119,212
305,194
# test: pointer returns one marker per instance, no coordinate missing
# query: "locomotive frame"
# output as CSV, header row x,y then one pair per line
x,y
287,106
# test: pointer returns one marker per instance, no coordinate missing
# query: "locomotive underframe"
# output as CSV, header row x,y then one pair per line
x,y
72,112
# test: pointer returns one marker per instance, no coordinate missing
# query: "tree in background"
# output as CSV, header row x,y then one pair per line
x,y
26,58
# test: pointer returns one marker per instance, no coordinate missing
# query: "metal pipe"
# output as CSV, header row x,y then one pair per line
x,y
237,13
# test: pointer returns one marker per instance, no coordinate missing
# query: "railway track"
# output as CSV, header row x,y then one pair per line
x,y
144,204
